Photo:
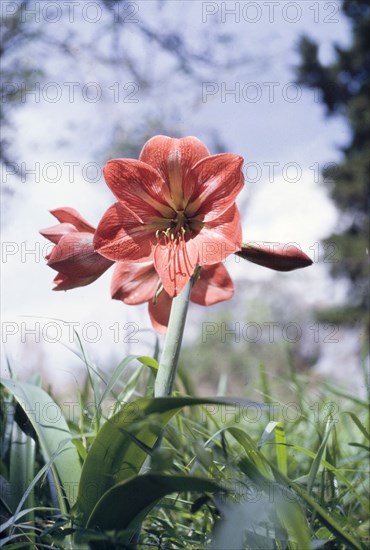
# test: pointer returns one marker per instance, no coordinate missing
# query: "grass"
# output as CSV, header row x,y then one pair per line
x,y
291,473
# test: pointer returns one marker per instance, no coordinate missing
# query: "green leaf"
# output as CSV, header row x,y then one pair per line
x,y
129,388
317,460
149,362
281,449
281,454
21,467
256,458
293,519
115,376
12,521
53,435
124,442
126,504
358,423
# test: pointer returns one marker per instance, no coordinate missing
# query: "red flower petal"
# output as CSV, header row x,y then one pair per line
x,y
220,179
219,238
120,236
74,255
175,265
277,256
139,187
173,159
159,312
134,283
67,282
214,285
70,215
56,232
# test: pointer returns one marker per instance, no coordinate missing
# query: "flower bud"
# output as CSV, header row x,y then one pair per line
x,y
277,256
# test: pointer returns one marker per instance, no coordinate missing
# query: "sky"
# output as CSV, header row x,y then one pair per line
x,y
255,108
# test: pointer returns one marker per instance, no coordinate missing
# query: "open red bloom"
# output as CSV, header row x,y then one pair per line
x,y
176,206
73,255
136,283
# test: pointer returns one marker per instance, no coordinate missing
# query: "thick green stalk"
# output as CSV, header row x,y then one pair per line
x,y
171,350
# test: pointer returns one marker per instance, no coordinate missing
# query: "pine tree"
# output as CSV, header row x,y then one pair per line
x,y
344,87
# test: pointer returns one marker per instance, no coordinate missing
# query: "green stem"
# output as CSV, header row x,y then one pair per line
x,y
171,350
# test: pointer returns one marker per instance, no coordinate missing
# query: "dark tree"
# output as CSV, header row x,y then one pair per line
x,y
344,87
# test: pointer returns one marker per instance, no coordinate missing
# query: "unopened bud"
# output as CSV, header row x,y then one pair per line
x,y
281,257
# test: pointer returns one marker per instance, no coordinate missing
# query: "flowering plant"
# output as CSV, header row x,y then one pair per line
x,y
173,225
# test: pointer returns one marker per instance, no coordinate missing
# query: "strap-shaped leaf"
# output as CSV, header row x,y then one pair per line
x,y
54,437
126,504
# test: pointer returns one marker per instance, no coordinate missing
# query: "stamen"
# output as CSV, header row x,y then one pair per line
x,y
188,265
156,295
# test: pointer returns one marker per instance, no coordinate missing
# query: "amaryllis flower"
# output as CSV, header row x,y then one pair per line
x,y
176,207
136,283
73,255
277,256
